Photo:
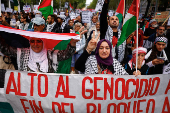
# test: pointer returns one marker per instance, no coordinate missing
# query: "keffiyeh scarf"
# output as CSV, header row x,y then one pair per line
x,y
121,48
50,27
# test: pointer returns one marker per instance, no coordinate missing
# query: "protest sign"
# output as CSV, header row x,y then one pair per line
x,y
99,5
55,93
16,8
166,69
62,13
66,5
3,7
35,8
9,10
86,16
78,11
72,16
168,22
27,8
162,16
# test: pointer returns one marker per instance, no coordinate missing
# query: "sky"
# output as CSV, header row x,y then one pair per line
x,y
88,1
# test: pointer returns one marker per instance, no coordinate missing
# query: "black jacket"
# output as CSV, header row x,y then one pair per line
x,y
144,69
67,29
56,29
103,20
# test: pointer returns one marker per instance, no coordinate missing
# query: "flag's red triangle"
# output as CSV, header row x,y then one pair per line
x,y
132,9
45,3
120,8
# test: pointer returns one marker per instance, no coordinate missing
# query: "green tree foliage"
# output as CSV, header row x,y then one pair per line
x,y
93,4
113,4
77,4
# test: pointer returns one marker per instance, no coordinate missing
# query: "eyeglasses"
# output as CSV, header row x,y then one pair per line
x,y
37,41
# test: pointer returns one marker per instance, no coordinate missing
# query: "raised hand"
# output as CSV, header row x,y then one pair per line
x,y
136,73
92,43
81,32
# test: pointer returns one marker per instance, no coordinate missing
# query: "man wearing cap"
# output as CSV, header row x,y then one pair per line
x,y
157,57
148,32
61,22
37,14
37,58
52,26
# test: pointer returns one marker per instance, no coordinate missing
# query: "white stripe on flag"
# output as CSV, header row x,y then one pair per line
x,y
127,17
40,34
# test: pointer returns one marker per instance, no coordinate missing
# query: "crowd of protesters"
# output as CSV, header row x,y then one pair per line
x,y
96,52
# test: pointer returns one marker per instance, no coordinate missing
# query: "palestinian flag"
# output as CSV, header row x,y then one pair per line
x,y
120,10
58,41
46,8
71,7
20,38
65,65
129,24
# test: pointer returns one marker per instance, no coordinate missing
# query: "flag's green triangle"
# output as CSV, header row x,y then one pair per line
x,y
5,108
64,66
120,17
46,11
128,28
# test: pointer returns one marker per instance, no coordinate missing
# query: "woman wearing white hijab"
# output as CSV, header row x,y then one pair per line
x,y
38,61
37,58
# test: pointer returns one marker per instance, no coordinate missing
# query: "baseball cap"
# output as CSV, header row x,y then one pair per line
x,y
39,21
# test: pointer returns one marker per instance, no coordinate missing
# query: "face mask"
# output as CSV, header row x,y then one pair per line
x,y
37,15
154,25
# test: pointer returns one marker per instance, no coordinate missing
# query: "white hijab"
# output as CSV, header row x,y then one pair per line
x,y
40,58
